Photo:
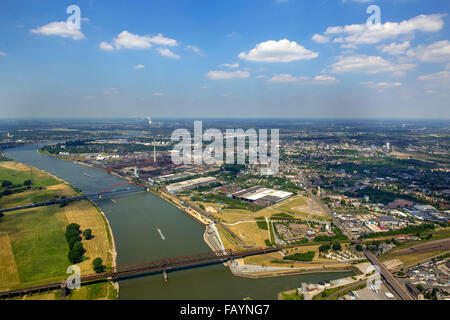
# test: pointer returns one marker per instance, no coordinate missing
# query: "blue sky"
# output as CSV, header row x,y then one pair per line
x,y
233,58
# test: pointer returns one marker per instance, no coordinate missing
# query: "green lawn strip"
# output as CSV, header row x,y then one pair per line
x,y
38,243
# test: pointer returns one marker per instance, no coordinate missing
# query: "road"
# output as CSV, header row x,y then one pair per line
x,y
333,219
399,288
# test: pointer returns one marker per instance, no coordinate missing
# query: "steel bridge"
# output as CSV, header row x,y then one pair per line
x,y
99,195
146,268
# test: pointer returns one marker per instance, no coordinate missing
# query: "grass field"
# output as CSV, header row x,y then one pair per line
x,y
33,248
302,208
38,243
34,196
87,216
250,233
17,173
9,275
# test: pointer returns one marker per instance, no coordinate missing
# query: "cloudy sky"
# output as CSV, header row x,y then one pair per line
x,y
233,58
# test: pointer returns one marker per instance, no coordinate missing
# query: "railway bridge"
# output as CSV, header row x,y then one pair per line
x,y
146,268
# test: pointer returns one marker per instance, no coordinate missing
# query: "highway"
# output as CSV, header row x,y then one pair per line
x,y
399,288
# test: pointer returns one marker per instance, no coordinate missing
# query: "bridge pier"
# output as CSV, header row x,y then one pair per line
x,y
64,290
99,197
166,278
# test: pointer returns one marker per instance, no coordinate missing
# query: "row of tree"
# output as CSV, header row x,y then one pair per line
x,y
73,239
336,246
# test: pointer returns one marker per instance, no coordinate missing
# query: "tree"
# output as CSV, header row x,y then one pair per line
x,y
98,266
359,247
337,246
27,183
76,253
87,234
6,183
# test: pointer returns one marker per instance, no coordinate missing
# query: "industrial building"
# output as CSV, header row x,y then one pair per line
x,y
190,184
262,196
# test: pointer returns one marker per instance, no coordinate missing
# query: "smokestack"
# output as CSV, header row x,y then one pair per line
x,y
154,149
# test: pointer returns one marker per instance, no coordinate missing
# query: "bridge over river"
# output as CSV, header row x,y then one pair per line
x,y
105,193
146,268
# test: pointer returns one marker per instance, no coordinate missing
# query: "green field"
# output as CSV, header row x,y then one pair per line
x,y
17,173
33,247
38,243
33,196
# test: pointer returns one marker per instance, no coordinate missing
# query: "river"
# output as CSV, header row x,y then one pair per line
x,y
146,227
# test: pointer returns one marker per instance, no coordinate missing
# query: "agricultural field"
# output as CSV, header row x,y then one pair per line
x,y
33,248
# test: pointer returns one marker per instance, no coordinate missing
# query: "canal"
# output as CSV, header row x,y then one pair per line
x,y
146,227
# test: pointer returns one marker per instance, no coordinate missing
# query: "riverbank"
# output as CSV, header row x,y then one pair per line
x,y
110,234
32,241
216,241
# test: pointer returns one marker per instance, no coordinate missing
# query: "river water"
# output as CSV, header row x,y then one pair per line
x,y
135,220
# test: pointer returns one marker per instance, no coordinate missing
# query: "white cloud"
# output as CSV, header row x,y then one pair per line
x,y
439,76
368,65
230,65
59,28
2,53
436,52
396,48
111,91
320,39
324,79
288,78
194,49
128,40
361,34
226,75
278,51
139,66
381,85
106,46
161,40
233,35
167,53
158,94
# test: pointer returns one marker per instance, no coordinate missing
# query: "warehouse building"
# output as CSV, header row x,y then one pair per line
x,y
262,196
190,184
